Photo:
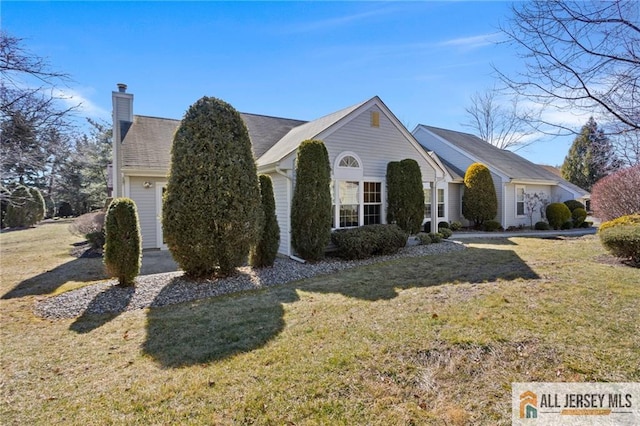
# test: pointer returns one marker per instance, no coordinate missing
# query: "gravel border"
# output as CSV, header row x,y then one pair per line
x,y
171,288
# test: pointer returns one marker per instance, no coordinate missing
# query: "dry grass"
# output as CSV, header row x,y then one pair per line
x,y
433,340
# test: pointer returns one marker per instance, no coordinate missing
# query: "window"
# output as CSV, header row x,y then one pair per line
x,y
427,203
349,204
440,202
349,161
520,191
372,202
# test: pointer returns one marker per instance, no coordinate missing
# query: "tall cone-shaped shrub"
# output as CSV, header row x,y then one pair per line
x,y
123,243
211,212
265,251
26,207
479,201
38,206
311,204
405,195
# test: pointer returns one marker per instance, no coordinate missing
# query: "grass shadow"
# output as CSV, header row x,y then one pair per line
x,y
473,265
213,329
81,270
114,299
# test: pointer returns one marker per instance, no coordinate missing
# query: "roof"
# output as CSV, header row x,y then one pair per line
x,y
290,142
503,161
147,143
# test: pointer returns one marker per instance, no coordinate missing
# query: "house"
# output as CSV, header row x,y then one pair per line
x,y
513,176
361,140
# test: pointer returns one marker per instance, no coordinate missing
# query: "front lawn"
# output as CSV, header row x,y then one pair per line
x,y
431,340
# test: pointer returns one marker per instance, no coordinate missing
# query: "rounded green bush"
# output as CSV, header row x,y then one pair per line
x,y
479,200
311,204
621,237
369,240
456,226
491,226
211,213
424,238
443,224
557,214
574,204
446,232
26,207
579,215
542,226
123,243
436,237
567,225
264,253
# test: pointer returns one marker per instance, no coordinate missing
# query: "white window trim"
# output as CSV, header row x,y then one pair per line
x,y
361,204
159,240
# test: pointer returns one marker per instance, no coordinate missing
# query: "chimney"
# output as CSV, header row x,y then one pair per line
x,y
122,120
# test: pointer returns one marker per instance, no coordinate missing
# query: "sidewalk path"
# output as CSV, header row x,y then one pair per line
x,y
457,236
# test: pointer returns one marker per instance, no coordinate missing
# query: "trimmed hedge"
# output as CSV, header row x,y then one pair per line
x,y
311,203
424,238
479,200
123,243
456,226
264,253
405,195
557,214
436,237
446,232
368,240
621,237
211,212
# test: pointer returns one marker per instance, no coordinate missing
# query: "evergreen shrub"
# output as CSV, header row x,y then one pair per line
x,y
479,200
578,215
455,226
491,226
311,204
37,207
424,238
265,251
405,195
443,224
574,204
26,207
621,237
211,212
436,237
446,232
123,243
542,226
567,225
65,209
557,214
368,240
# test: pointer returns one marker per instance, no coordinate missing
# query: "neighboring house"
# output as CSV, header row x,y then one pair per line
x,y
513,176
361,140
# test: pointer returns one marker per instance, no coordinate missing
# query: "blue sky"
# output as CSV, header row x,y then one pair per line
x,y
289,59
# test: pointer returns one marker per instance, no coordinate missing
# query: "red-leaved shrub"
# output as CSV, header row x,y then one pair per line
x,y
617,194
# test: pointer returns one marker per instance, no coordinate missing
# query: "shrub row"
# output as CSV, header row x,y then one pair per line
x,y
369,240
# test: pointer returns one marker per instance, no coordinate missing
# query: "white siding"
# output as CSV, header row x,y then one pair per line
x,y
376,146
443,150
511,218
282,194
145,199
454,201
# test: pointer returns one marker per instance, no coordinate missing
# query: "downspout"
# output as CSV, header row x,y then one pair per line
x,y
286,175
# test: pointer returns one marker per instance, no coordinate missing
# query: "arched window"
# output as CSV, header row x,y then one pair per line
x,y
349,161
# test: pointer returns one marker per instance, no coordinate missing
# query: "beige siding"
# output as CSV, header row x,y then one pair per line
x,y
145,199
376,146
454,200
510,200
282,194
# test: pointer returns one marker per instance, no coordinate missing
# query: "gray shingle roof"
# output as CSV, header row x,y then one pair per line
x,y
147,143
509,163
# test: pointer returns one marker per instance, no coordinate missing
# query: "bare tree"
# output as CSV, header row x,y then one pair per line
x,y
504,126
579,56
30,114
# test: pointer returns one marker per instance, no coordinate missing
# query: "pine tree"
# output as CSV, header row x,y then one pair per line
x,y
590,158
211,209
